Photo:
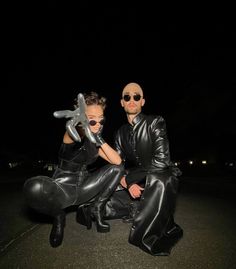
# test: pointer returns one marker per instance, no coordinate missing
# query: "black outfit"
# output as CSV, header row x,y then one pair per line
x,y
144,147
72,184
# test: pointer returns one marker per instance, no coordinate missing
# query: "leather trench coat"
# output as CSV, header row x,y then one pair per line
x,y
144,147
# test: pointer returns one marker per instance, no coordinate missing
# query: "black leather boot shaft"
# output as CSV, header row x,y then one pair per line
x,y
57,232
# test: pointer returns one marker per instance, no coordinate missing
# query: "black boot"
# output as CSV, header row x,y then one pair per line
x,y
83,216
57,232
132,212
98,213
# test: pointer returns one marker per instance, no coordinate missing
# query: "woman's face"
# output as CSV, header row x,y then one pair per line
x,y
95,115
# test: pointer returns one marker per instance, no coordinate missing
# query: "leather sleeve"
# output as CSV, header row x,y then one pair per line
x,y
117,145
135,175
161,154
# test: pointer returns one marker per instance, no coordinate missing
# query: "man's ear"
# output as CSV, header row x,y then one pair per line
x,y
122,102
143,102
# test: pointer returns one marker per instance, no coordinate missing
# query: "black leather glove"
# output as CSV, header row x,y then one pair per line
x,y
98,137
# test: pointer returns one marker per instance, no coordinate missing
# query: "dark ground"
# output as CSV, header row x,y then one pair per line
x,y
205,210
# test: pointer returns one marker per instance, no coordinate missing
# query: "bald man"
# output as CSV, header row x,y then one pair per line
x,y
150,178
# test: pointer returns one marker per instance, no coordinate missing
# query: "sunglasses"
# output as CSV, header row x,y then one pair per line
x,y
93,122
136,97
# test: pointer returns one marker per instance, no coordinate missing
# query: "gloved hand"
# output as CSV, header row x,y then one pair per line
x,y
98,137
77,116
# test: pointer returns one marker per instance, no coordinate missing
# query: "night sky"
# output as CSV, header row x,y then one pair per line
x,y
51,53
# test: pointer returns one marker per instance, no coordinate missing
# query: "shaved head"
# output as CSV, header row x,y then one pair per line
x,y
134,102
134,88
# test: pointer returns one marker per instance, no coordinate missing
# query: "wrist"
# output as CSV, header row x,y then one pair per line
x,y
123,182
99,140
129,186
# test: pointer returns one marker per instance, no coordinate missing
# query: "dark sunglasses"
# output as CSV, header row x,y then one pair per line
x,y
136,97
93,122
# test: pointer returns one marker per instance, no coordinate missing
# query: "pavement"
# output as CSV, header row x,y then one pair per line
x,y
209,238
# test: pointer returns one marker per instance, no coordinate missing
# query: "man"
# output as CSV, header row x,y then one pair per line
x,y
150,176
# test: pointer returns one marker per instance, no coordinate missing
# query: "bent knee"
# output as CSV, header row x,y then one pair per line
x,y
33,189
34,185
118,168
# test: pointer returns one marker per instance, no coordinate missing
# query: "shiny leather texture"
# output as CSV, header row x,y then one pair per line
x,y
144,147
70,187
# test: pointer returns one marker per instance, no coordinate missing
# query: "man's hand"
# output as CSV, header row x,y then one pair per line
x,y
135,191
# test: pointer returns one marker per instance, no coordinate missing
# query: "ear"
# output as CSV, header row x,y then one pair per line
x,y
122,102
143,102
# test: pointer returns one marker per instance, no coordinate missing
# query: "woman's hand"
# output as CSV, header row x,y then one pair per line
x,y
123,183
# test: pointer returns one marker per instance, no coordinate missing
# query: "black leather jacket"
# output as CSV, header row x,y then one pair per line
x,y
143,146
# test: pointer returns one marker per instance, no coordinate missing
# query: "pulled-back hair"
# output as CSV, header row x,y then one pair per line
x,y
92,98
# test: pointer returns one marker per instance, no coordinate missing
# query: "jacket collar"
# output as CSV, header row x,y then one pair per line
x,y
138,118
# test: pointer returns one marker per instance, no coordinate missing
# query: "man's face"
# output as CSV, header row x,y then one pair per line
x,y
132,99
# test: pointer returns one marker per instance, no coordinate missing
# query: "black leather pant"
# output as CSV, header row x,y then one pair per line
x,y
51,195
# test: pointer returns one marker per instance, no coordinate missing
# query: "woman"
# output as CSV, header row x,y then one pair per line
x,y
72,183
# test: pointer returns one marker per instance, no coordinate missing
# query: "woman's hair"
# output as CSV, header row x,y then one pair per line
x,y
92,98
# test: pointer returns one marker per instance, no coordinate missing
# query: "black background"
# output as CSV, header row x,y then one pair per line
x,y
52,52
